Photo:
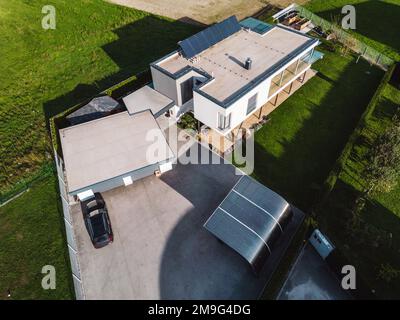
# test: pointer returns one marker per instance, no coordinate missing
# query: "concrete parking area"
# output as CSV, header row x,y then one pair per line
x,y
160,248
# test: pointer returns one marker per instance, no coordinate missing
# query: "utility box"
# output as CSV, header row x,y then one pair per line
x,y
321,243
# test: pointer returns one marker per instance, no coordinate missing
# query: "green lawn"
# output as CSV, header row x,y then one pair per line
x,y
296,150
377,241
377,22
32,236
94,46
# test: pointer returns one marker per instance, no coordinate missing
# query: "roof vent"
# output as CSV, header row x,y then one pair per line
x,y
247,64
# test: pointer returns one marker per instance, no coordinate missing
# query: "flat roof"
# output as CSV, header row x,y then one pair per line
x,y
109,147
224,61
146,98
250,220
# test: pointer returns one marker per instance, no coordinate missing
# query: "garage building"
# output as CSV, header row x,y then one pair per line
x,y
113,151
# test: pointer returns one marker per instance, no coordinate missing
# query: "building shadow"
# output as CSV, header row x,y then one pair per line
x,y
299,171
139,43
376,240
194,263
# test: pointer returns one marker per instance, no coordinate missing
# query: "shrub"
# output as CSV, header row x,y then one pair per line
x,y
388,273
187,121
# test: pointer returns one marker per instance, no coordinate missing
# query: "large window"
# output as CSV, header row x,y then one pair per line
x,y
252,103
224,122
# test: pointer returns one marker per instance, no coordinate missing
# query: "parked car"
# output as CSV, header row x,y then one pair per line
x,y
97,221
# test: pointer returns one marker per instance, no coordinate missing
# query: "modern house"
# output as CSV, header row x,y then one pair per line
x,y
230,70
223,75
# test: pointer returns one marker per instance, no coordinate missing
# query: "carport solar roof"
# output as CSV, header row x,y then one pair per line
x,y
250,220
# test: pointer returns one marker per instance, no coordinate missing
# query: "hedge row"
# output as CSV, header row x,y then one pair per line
x,y
117,91
340,162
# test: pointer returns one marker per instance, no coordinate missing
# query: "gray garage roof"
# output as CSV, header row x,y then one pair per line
x,y
112,146
250,220
146,98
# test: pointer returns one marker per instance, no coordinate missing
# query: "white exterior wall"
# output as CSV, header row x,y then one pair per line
x,y
164,84
238,109
206,110
169,86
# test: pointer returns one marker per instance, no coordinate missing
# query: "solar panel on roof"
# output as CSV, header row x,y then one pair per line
x,y
216,32
200,42
208,37
204,39
187,48
232,24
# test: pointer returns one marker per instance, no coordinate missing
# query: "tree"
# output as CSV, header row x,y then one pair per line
x,y
382,170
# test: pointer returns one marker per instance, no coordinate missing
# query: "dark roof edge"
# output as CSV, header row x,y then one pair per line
x,y
255,82
245,89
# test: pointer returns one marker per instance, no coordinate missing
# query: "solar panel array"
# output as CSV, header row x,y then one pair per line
x,y
208,37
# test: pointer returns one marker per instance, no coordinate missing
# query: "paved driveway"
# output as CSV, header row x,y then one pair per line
x,y
311,279
161,250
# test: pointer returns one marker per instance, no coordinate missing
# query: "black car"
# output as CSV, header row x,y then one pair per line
x,y
97,221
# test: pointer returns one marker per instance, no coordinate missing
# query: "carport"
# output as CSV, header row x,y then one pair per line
x,y
250,220
113,151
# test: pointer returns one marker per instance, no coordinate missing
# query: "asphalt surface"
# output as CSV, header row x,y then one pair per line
x,y
161,249
312,279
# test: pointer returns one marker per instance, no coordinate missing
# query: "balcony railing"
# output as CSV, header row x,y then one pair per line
x,y
293,71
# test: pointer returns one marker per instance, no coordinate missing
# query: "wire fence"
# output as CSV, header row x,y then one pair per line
x,y
370,54
45,171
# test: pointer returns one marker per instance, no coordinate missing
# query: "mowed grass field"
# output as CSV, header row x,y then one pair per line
x,y
95,45
296,150
376,242
374,246
377,21
32,236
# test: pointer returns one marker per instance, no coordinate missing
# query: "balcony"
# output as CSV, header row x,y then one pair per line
x,y
294,71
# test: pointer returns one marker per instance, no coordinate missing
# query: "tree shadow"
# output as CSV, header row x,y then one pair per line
x,y
139,43
377,20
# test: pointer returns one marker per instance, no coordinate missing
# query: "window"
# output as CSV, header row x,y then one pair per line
x,y
252,103
224,122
